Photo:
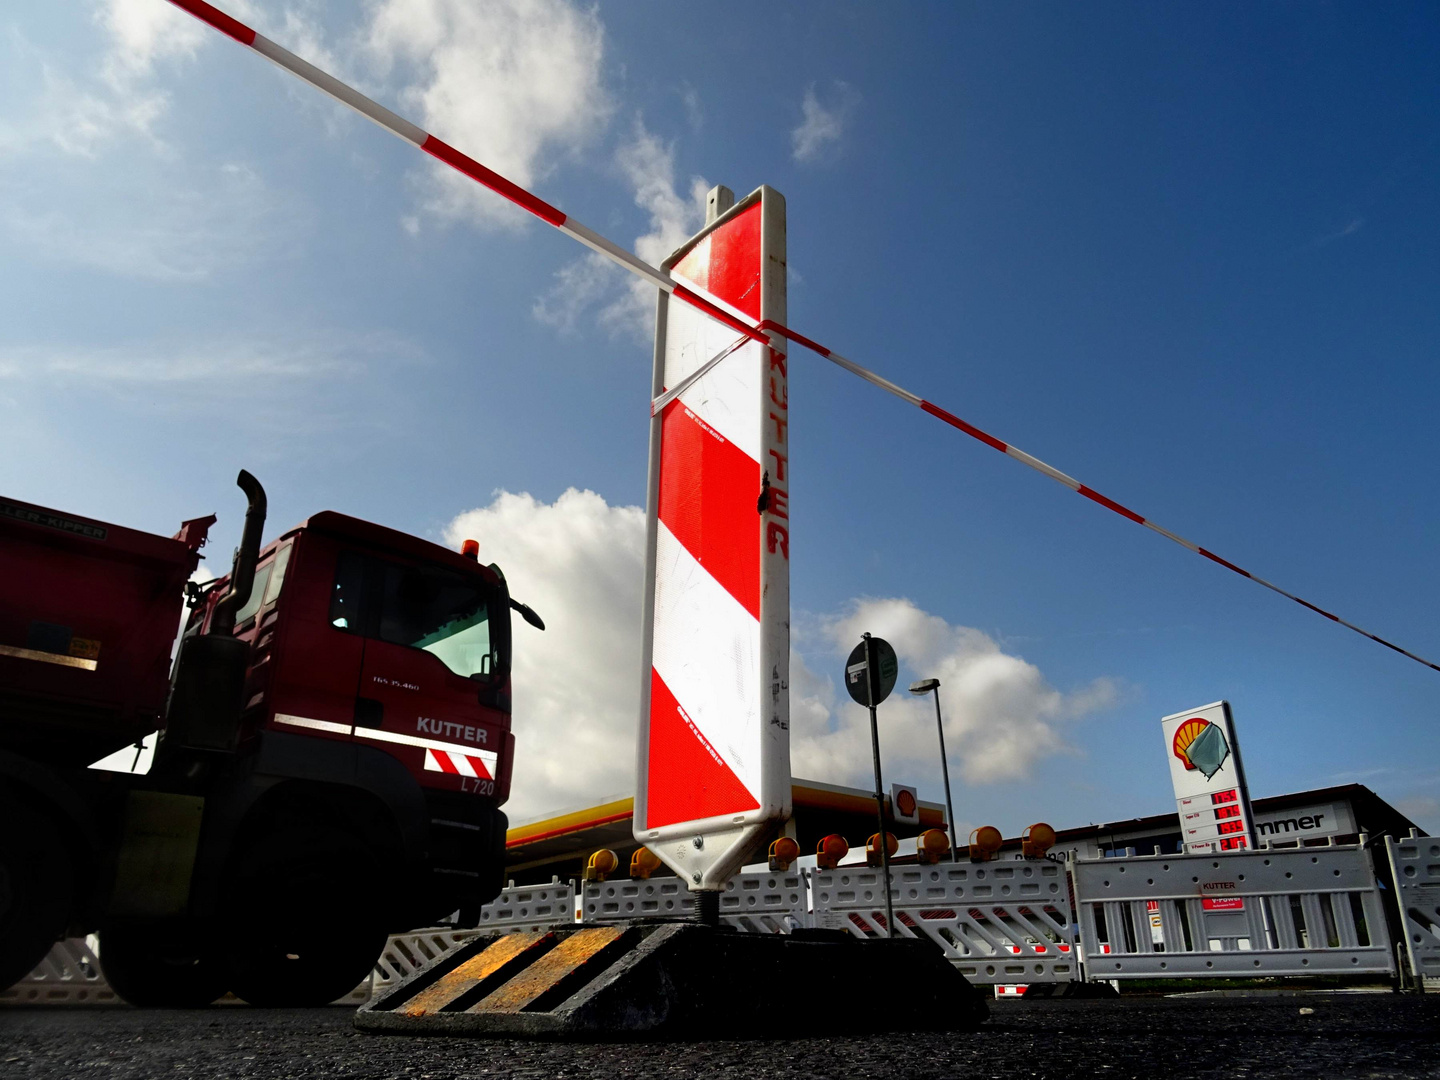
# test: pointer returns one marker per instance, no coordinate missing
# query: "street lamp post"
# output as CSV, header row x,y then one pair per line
x,y
924,687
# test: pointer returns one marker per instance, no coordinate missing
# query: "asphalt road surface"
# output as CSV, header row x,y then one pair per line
x,y
1345,1036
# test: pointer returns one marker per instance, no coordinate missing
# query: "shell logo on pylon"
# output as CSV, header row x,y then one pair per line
x,y
1201,745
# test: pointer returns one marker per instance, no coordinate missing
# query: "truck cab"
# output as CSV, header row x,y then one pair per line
x,y
332,756
365,641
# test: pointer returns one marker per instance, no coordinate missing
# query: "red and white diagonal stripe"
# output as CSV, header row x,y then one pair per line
x,y
705,681
479,765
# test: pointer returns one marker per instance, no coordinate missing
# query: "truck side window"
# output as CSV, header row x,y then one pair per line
x,y
345,599
277,576
257,593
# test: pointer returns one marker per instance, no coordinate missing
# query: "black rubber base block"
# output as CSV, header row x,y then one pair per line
x,y
679,980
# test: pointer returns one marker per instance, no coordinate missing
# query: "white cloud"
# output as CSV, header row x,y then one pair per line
x,y
694,113
325,393
626,304
81,116
1001,715
516,84
512,83
580,562
163,221
86,176
1349,229
821,126
142,32
217,367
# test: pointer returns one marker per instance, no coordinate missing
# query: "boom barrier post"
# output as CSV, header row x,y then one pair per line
x,y
872,693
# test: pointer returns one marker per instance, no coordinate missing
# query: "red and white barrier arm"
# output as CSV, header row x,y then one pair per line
x,y
1069,481
697,298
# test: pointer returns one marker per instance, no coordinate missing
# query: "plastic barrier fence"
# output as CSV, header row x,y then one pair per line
x,y
1416,865
530,907
69,975
1306,911
766,902
998,922
405,954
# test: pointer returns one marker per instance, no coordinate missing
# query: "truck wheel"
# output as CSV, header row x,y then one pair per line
x,y
37,886
302,923
155,965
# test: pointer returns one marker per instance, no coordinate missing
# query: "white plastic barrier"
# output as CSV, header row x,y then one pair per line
x,y
999,922
1415,864
69,975
766,902
517,908
1303,911
530,907
405,954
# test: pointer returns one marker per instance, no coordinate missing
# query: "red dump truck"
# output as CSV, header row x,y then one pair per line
x,y
333,750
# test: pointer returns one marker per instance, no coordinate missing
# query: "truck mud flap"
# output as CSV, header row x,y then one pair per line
x,y
677,980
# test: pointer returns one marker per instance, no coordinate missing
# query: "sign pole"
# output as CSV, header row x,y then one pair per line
x,y
872,693
945,771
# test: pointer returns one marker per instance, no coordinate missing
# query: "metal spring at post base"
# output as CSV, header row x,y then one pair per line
x,y
706,907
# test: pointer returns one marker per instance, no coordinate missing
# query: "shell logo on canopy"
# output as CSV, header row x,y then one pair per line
x,y
1201,745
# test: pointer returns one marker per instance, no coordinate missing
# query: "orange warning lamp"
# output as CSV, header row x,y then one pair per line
x,y
643,863
984,843
830,851
1037,840
932,845
601,865
783,853
872,848
471,549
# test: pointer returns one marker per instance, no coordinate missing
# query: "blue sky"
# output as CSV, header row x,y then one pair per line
x,y
1186,254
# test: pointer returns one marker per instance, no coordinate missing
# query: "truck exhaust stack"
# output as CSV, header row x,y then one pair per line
x,y
242,576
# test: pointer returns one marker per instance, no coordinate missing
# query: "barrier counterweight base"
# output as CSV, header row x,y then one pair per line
x,y
677,980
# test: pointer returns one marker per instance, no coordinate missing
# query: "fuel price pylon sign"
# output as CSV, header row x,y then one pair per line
x,y
1209,780
714,744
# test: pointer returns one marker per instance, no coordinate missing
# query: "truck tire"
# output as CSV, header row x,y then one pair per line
x,y
158,965
301,922
37,886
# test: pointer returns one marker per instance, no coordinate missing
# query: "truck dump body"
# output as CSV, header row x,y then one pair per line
x,y
88,616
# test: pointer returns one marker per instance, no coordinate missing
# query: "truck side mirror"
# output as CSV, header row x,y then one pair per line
x,y
528,614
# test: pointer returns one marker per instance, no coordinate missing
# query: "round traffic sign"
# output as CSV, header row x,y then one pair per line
x,y
887,668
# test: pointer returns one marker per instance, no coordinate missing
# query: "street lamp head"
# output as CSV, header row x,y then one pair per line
x,y
924,686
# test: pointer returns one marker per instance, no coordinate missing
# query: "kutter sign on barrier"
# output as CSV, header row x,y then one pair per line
x,y
714,746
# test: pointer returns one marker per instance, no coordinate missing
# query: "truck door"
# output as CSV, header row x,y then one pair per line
x,y
427,649
316,670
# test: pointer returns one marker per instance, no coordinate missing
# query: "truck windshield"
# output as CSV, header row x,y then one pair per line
x,y
424,607
432,609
